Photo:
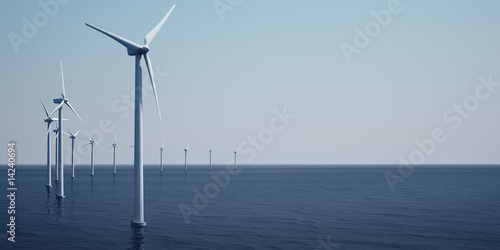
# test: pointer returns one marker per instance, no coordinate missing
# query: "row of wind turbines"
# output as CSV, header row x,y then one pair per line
x,y
114,146
139,52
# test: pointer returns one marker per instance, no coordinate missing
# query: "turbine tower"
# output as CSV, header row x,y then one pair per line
x,y
61,102
73,137
210,151
49,121
138,51
185,159
161,157
56,163
234,166
91,143
114,146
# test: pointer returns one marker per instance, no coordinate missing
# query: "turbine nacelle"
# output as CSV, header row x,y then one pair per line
x,y
50,119
59,100
140,51
73,136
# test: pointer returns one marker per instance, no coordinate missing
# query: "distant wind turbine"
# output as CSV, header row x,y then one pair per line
x,y
161,157
139,51
210,151
185,159
114,146
235,152
49,121
73,137
61,102
91,143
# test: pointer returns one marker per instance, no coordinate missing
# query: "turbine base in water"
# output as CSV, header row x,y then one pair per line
x,y
138,224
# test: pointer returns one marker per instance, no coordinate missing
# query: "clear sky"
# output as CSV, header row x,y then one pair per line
x,y
222,67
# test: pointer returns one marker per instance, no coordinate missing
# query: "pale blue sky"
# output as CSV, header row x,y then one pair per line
x,y
226,77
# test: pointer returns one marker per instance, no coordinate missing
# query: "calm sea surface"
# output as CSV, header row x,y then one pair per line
x,y
273,207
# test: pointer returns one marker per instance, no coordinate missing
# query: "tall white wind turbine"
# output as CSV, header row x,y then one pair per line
x,y
114,146
139,51
73,137
185,159
210,152
91,143
61,102
161,157
49,121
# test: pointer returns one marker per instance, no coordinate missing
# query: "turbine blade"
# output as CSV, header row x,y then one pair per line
x,y
65,133
118,147
77,132
57,108
48,132
151,76
72,109
44,108
70,132
55,137
152,34
63,91
97,145
128,44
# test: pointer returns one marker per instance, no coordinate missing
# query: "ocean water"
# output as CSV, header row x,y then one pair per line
x,y
264,207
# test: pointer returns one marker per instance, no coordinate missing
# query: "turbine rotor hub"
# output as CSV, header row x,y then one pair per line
x,y
143,50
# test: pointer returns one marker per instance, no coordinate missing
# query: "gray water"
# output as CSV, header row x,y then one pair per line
x,y
265,207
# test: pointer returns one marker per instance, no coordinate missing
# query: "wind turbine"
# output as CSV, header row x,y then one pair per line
x,y
91,143
138,51
185,159
61,102
49,121
73,137
161,157
235,152
210,151
114,146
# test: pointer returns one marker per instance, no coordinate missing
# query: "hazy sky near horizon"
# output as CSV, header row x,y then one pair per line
x,y
220,81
